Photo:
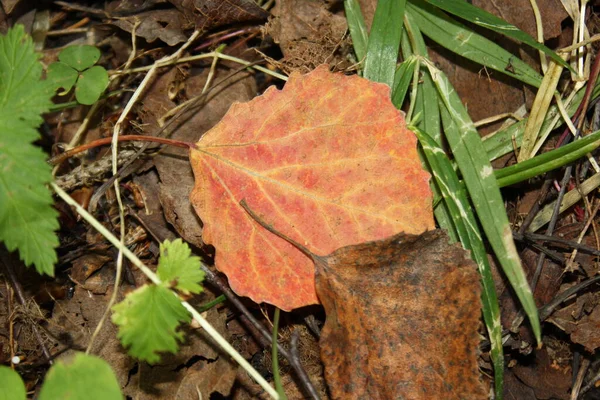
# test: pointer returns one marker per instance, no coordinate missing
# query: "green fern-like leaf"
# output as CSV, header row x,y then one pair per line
x,y
27,219
148,319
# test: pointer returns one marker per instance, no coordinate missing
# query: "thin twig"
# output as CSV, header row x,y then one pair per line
x,y
549,308
265,335
554,239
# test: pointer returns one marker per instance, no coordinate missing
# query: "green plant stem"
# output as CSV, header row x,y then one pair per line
x,y
207,306
216,336
547,161
275,358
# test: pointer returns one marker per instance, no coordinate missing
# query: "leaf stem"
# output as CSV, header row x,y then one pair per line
x,y
124,138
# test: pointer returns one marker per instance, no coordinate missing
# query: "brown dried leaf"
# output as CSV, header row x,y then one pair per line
x,y
547,379
166,25
209,14
309,35
402,319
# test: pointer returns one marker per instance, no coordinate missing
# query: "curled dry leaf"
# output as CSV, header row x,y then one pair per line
x,y
328,159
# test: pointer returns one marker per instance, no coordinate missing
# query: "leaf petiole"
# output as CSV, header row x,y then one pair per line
x,y
124,138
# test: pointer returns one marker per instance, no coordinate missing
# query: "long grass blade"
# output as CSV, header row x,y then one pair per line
x,y
477,16
413,43
548,161
384,41
357,27
477,173
459,39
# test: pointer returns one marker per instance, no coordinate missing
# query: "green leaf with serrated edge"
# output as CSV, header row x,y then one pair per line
x,y
27,219
455,198
357,28
148,319
80,57
461,40
480,181
61,76
91,84
81,377
176,264
11,385
384,41
477,16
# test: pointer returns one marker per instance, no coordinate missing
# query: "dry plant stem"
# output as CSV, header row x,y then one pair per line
x,y
518,320
584,231
585,102
575,46
117,189
590,384
537,205
227,35
7,261
546,310
550,230
154,278
114,163
202,56
294,361
540,34
262,334
498,117
579,380
553,239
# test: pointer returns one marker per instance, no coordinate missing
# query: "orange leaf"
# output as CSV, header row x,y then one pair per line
x,y
328,159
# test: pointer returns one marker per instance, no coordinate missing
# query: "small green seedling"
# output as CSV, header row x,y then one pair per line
x,y
76,68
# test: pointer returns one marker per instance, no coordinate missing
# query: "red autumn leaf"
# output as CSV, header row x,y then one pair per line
x,y
328,159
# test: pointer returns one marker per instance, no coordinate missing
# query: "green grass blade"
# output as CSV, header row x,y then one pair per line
x,y
457,38
357,27
275,358
402,79
456,200
384,41
548,161
477,173
413,43
477,16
